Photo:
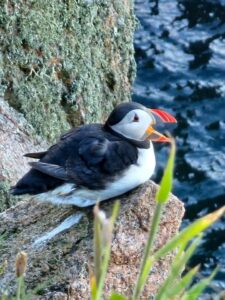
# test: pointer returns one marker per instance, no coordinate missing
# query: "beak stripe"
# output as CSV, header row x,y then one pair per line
x,y
164,116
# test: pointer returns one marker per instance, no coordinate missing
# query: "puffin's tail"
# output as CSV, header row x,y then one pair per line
x,y
16,190
34,182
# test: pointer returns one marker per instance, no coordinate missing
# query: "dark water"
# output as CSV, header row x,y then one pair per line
x,y
180,54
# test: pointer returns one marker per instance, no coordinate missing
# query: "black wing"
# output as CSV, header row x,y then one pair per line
x,y
87,156
50,169
100,161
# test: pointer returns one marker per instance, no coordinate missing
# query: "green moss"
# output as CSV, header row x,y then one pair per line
x,y
6,200
66,62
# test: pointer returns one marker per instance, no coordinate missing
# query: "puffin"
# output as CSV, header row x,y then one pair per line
x,y
97,162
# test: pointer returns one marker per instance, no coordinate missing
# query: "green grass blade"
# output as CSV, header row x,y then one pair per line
x,y
93,286
167,179
115,212
161,198
183,283
97,246
144,271
106,249
199,287
117,297
20,288
144,275
177,267
190,232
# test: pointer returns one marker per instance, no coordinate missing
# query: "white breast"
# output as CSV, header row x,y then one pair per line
x,y
135,175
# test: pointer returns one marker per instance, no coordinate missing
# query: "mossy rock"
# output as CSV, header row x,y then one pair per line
x,y
65,62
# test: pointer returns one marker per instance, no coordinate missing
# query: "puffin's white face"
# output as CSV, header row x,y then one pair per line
x,y
134,121
135,124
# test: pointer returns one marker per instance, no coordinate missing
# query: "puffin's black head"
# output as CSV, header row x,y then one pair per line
x,y
121,110
134,121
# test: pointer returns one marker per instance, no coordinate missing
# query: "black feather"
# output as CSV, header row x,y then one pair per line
x,y
35,182
37,155
50,169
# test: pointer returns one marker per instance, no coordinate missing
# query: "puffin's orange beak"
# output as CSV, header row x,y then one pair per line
x,y
166,118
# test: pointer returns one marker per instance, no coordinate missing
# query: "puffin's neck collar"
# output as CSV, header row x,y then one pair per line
x,y
140,144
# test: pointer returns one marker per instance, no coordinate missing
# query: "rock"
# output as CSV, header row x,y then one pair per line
x,y
61,264
63,63
17,137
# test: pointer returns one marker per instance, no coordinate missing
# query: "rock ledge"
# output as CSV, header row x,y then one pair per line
x,y
61,265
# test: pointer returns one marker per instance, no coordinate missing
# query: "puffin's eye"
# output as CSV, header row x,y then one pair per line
x,y
136,118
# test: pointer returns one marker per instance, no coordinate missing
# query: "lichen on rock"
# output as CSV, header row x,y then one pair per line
x,y
66,62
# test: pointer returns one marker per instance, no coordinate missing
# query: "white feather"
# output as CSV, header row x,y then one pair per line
x,y
135,175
